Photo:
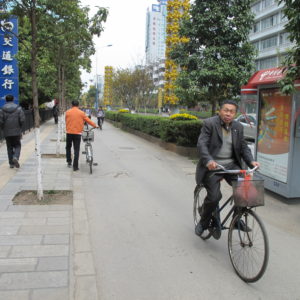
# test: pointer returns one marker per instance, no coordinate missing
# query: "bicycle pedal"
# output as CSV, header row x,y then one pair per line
x,y
95,164
83,152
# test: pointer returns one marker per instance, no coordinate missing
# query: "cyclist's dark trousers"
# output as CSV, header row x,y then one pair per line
x,y
75,140
100,118
13,144
214,195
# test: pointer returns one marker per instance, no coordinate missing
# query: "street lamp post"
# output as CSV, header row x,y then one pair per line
x,y
98,78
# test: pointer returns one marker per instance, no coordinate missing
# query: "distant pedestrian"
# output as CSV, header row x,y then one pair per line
x,y
75,119
100,117
55,112
12,118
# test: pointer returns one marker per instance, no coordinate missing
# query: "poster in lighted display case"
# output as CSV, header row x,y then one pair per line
x,y
274,133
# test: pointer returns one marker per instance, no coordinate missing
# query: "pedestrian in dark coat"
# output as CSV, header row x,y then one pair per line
x,y
12,118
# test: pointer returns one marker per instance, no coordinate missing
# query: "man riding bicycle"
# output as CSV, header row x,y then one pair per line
x,y
222,142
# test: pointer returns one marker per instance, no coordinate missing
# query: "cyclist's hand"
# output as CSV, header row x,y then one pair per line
x,y
97,126
211,165
255,164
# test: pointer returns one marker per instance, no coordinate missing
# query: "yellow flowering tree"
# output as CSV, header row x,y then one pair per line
x,y
107,96
177,10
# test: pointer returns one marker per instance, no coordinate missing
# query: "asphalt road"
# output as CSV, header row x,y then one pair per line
x,y
139,203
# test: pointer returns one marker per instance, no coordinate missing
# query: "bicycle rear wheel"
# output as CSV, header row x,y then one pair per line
x,y
199,196
248,251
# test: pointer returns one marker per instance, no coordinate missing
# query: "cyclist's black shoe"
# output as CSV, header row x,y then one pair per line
x,y
240,224
215,229
199,229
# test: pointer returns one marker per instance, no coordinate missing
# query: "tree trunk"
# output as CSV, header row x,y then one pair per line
x,y
40,194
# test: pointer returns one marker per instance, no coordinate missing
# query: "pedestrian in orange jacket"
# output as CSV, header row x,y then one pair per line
x,y
75,119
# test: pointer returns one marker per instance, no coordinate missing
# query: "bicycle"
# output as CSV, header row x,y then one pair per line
x,y
88,137
248,247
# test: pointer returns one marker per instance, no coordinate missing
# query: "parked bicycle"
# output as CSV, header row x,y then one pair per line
x,y
88,138
248,244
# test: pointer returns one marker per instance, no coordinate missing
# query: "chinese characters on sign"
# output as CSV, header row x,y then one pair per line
x,y
9,73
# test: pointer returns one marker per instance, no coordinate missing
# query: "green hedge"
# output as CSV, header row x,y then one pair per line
x,y
198,114
182,133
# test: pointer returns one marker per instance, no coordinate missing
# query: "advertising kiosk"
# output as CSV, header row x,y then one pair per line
x,y
277,147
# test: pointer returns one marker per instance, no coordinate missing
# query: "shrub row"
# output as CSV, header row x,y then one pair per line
x,y
198,114
182,133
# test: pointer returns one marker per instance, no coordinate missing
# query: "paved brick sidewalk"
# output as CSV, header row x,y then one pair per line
x,y
44,251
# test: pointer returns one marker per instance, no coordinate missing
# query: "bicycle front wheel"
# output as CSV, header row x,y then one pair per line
x,y
199,197
248,248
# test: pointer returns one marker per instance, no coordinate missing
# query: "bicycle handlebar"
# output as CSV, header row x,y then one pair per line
x,y
89,129
236,171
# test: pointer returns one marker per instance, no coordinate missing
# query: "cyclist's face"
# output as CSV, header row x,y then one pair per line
x,y
227,113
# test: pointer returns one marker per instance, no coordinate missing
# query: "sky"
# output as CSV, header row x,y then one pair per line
x,y
125,30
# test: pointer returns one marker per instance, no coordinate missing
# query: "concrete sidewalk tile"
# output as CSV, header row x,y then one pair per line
x,y
56,239
17,264
81,243
48,214
50,294
36,208
9,230
81,227
33,280
78,203
23,221
53,263
78,196
86,288
79,215
14,295
39,251
20,240
11,214
45,229
58,221
84,264
4,250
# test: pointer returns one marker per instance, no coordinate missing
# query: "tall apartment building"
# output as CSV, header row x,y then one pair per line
x,y
268,34
156,32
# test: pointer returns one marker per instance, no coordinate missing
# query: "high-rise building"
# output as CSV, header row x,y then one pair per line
x,y
268,34
156,32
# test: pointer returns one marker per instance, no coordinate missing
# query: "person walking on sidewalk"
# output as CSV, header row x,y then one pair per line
x,y
100,117
12,118
75,119
55,112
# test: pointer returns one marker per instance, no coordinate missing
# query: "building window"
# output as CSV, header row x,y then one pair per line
x,y
283,17
256,45
270,62
269,22
269,42
284,38
256,27
256,7
266,3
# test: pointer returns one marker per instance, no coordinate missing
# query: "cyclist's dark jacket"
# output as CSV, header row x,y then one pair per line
x,y
210,142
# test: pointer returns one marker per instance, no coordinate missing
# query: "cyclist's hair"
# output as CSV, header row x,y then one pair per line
x,y
9,98
229,101
75,103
